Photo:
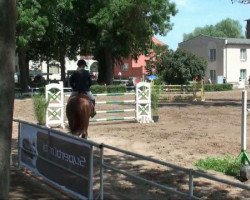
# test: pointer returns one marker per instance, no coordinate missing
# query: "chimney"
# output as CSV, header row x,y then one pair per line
x,y
248,29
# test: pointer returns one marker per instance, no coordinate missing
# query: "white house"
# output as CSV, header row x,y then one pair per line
x,y
55,71
227,57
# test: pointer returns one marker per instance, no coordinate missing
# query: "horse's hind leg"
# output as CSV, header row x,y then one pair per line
x,y
83,136
85,130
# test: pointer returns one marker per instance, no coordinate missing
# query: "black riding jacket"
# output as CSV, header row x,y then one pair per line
x,y
80,81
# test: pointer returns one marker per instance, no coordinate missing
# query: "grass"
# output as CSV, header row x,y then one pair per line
x,y
228,165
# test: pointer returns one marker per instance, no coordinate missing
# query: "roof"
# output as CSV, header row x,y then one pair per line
x,y
229,40
237,40
158,42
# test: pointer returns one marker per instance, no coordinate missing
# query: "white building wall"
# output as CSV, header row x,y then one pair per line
x,y
234,64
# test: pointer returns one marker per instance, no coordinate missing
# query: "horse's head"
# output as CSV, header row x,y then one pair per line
x,y
78,111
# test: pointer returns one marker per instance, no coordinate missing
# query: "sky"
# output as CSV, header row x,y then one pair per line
x,y
199,13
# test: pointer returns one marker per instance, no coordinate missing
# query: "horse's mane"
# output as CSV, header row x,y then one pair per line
x,y
78,111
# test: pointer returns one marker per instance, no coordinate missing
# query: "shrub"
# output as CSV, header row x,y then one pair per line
x,y
155,94
40,107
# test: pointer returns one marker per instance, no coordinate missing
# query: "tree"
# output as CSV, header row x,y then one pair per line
x,y
179,67
63,36
7,58
37,18
108,29
124,28
230,28
56,43
226,28
155,57
30,26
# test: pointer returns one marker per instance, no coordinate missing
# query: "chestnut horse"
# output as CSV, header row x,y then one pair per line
x,y
78,111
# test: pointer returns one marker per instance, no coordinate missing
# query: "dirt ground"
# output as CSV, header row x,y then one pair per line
x,y
185,133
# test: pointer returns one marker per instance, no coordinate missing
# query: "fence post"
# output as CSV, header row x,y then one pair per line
x,y
244,157
191,184
19,147
202,90
143,103
55,111
101,171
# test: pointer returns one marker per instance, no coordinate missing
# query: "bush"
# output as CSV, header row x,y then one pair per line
x,y
98,89
40,107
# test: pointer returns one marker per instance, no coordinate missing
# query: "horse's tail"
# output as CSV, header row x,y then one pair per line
x,y
72,113
86,109
78,111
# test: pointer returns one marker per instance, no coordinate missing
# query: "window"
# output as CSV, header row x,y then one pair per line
x,y
125,67
213,75
212,54
243,54
243,74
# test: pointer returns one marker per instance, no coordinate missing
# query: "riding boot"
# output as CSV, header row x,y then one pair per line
x,y
93,111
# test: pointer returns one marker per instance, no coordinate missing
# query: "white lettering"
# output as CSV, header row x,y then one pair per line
x,y
59,154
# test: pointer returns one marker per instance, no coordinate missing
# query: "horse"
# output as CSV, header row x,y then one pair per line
x,y
78,111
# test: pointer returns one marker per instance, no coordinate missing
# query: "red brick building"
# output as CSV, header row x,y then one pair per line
x,y
134,68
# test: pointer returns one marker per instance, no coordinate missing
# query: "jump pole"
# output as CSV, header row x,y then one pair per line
x,y
244,157
55,111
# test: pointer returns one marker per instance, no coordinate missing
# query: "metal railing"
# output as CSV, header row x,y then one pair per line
x,y
191,173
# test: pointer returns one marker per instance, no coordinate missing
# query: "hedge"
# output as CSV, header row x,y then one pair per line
x,y
218,87
98,89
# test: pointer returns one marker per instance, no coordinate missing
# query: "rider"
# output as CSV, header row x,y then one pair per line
x,y
80,82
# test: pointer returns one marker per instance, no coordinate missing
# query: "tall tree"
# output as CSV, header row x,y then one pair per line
x,y
225,28
37,18
7,58
63,37
125,27
54,43
230,28
30,26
